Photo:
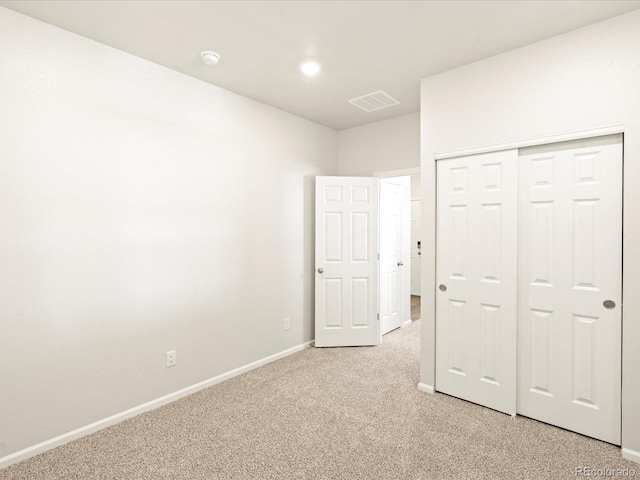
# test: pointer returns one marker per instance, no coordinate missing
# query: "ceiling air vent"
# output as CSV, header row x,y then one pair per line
x,y
374,101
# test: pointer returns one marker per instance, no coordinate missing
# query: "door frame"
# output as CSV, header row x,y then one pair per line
x,y
428,346
418,247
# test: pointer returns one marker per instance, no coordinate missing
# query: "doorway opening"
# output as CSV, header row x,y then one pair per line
x,y
363,257
400,244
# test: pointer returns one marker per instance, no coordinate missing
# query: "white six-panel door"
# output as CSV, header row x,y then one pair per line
x,y
346,304
394,252
476,274
570,254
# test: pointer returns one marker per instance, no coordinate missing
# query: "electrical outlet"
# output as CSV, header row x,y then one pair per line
x,y
171,358
286,323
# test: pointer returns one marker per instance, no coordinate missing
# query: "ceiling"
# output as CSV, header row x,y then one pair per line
x,y
363,46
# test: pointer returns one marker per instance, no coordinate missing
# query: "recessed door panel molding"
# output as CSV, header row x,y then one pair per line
x,y
492,176
489,344
333,193
458,179
459,239
360,241
360,193
491,246
542,171
476,274
542,243
570,262
457,336
539,335
585,218
587,167
333,237
346,270
360,303
332,302
584,358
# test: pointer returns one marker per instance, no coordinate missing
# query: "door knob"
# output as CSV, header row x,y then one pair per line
x,y
442,287
400,264
609,304
321,270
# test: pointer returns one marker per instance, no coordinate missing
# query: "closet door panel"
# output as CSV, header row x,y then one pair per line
x,y
570,263
476,272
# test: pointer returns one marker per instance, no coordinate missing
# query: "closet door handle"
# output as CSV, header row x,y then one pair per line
x,y
321,270
442,287
609,304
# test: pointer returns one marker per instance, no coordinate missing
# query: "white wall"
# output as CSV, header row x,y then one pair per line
x,y
416,191
584,79
392,144
141,211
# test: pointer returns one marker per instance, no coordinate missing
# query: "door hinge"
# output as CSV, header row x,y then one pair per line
x,y
378,317
378,256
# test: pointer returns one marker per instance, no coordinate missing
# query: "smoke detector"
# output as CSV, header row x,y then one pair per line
x,y
209,57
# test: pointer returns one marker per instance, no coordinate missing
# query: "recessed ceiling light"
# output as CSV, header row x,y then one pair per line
x,y
209,57
310,68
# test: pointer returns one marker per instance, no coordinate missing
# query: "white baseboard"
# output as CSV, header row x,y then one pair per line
x,y
423,387
42,447
631,455
406,322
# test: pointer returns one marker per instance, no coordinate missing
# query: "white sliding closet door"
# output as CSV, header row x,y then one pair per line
x,y
570,268
476,273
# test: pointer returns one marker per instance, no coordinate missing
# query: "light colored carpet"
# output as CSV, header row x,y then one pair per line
x,y
415,307
345,413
